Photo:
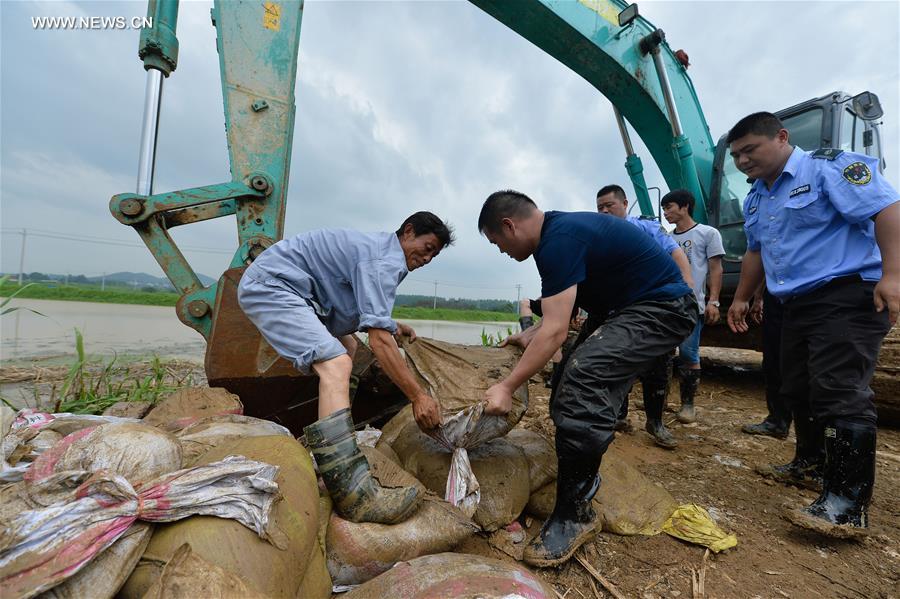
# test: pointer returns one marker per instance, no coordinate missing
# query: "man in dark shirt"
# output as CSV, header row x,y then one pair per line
x,y
639,307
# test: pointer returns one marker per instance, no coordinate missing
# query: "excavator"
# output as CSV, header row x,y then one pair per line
x,y
606,42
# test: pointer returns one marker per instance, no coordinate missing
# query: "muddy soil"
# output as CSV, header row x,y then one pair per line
x,y
713,467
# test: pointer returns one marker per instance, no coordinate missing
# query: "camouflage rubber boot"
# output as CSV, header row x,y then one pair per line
x,y
345,471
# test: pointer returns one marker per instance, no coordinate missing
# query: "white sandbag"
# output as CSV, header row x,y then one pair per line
x,y
87,512
136,451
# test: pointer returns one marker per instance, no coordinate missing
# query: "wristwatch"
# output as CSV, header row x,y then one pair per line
x,y
715,303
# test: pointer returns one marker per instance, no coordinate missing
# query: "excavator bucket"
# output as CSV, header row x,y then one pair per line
x,y
240,360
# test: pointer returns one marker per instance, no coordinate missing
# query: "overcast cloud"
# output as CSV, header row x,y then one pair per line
x,y
401,106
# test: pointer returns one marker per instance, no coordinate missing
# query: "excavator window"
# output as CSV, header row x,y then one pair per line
x,y
805,129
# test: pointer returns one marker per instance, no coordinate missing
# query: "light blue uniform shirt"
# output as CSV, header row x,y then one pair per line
x,y
351,278
656,231
815,225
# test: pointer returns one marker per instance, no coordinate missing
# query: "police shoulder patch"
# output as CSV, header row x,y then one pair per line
x,y
858,173
827,153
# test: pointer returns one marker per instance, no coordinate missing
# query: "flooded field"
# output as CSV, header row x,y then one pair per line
x,y
125,329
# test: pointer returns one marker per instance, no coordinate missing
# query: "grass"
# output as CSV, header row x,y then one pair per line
x,y
411,313
117,295
88,293
91,386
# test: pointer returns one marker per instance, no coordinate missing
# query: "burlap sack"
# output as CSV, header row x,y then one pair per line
x,y
499,466
628,502
540,455
358,552
454,576
198,438
186,406
187,576
269,570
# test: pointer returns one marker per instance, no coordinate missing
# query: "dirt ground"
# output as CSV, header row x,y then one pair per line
x,y
713,467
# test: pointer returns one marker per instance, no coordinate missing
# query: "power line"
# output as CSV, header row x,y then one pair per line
x,y
103,241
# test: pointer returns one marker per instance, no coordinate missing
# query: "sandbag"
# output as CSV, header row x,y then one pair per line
x,y
30,431
198,438
189,405
392,429
358,552
454,576
129,409
269,570
136,451
187,576
540,454
106,574
627,502
458,376
499,466
82,513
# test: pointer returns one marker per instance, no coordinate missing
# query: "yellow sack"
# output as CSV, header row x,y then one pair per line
x,y
693,524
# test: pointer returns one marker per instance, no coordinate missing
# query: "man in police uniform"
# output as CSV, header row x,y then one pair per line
x,y
826,227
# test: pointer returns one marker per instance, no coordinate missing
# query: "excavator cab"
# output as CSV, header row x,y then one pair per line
x,y
836,120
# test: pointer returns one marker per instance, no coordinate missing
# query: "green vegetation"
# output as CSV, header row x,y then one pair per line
x,y
410,313
488,339
118,295
88,293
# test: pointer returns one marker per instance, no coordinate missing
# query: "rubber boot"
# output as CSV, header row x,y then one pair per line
x,y
805,470
842,508
623,423
345,471
654,401
767,428
690,381
573,520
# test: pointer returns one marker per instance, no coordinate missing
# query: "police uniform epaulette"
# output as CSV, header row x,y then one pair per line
x,y
827,153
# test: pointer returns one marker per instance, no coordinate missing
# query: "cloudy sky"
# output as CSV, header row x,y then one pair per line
x,y
401,106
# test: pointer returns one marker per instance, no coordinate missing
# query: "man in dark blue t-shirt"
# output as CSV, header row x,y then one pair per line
x,y
639,307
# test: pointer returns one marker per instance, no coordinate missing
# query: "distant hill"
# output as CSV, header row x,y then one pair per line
x,y
135,279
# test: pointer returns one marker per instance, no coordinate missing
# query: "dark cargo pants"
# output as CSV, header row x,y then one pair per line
x,y
601,367
776,402
829,346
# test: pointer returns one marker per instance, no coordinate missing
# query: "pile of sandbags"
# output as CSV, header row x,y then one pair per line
x,y
74,521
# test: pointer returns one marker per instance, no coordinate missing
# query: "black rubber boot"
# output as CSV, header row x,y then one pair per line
x,y
767,428
842,508
573,520
805,470
623,424
654,402
526,322
690,381
345,471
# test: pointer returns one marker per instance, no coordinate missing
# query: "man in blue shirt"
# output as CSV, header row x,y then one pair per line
x,y
639,308
611,199
823,228
307,295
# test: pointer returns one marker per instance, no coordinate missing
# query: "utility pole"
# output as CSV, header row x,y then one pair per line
x,y
518,295
103,283
22,257
434,303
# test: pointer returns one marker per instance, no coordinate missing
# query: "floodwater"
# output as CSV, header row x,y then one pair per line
x,y
144,330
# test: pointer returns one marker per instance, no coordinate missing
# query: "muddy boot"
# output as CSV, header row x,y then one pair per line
x,y
767,428
573,520
357,496
690,381
805,470
842,508
623,424
654,401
